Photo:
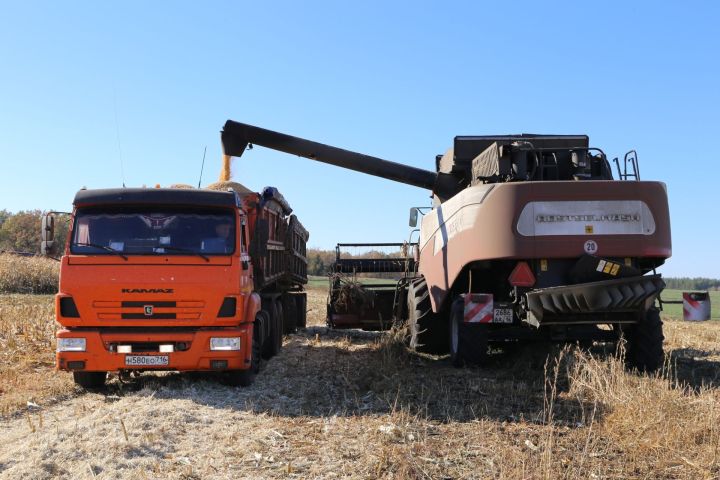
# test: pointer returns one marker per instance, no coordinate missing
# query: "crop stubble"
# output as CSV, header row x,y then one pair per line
x,y
355,405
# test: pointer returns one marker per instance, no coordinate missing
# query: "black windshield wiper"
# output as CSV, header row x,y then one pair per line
x,y
103,247
184,250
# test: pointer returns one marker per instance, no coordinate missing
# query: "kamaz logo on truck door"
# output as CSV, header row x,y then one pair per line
x,y
147,290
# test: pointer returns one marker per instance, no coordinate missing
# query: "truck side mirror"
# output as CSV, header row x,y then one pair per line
x,y
413,217
47,234
48,227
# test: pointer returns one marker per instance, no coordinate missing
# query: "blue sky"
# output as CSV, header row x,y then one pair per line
x,y
393,79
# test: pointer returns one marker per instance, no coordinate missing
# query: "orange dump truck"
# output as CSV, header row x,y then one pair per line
x,y
177,279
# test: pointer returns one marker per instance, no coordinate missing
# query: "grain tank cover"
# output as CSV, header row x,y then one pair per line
x,y
468,147
501,158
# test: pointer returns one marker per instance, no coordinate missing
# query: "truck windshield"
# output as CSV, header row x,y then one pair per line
x,y
153,231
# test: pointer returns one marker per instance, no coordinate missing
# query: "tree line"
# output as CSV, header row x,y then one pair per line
x,y
20,232
696,283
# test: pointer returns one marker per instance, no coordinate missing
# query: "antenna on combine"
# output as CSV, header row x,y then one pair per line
x,y
117,131
202,166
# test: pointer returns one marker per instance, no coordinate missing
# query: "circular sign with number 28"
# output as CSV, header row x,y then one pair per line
x,y
591,247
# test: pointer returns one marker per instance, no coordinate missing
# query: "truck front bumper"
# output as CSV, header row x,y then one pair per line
x,y
101,350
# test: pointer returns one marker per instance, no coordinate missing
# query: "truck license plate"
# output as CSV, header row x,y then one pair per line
x,y
146,360
503,315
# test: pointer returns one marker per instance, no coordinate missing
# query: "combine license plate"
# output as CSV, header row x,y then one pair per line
x,y
503,315
146,360
479,308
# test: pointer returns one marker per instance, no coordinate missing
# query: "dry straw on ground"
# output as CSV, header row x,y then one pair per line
x,y
353,404
28,274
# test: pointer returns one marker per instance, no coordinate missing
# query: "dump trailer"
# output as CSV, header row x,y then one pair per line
x,y
529,237
177,279
366,302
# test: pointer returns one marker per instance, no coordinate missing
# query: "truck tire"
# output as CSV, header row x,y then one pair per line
x,y
468,341
645,343
278,337
271,345
245,378
428,330
301,307
90,380
289,318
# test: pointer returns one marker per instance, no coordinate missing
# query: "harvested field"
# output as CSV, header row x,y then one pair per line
x,y
354,404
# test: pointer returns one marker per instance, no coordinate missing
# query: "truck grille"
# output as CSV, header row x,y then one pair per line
x,y
148,310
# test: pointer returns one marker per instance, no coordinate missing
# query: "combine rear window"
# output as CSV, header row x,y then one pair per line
x,y
153,231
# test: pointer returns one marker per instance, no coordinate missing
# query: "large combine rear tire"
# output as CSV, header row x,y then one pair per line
x,y
428,330
468,341
645,343
90,380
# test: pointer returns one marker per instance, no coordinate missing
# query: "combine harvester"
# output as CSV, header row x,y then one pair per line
x,y
177,279
529,238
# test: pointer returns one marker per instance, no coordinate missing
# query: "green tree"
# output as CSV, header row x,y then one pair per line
x,y
21,231
4,214
319,261
315,265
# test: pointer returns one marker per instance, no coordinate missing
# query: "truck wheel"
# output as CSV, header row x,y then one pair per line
x,y
245,378
468,342
301,306
645,343
428,330
271,345
278,337
289,319
90,380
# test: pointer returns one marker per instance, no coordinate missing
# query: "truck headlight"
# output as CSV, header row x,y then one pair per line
x,y
70,344
224,343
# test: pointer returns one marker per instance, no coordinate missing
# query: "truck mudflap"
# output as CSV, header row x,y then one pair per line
x,y
609,301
